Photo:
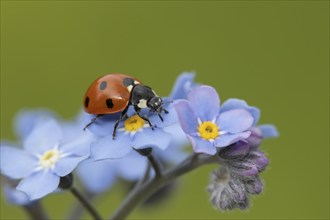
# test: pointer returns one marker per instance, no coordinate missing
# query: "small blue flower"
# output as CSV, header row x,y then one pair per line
x,y
205,127
44,159
133,132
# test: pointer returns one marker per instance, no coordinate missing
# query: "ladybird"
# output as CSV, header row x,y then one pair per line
x,y
115,93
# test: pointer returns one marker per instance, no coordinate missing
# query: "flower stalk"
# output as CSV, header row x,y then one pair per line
x,y
92,211
156,165
35,210
139,194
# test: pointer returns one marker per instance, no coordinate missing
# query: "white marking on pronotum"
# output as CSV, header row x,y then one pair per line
x,y
129,88
136,82
142,103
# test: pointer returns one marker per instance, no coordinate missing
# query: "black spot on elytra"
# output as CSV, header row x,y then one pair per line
x,y
109,103
86,101
103,85
128,82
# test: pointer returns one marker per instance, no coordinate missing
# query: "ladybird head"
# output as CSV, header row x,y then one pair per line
x,y
155,104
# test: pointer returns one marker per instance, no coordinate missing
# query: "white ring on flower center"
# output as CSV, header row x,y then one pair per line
x,y
49,158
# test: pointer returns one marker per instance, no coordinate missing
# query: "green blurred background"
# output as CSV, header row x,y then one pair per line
x,y
274,54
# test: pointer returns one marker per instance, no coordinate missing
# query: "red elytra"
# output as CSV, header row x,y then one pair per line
x,y
108,94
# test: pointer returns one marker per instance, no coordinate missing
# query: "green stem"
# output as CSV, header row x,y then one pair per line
x,y
78,210
35,211
92,211
141,193
155,164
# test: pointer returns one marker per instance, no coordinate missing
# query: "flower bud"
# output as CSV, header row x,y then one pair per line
x,y
235,151
259,159
253,186
244,168
255,138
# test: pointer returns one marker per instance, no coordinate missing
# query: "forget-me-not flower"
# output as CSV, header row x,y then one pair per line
x,y
208,129
44,159
132,133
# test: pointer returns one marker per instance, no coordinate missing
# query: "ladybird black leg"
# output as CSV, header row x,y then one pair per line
x,y
92,121
160,116
123,115
137,110
147,120
166,112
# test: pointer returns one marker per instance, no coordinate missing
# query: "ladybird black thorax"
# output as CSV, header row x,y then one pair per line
x,y
141,96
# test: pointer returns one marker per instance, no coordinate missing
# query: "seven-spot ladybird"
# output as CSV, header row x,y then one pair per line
x,y
115,92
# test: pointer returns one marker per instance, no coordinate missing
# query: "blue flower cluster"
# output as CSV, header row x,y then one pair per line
x,y
53,148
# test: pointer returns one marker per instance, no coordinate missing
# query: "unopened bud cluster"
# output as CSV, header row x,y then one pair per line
x,y
238,176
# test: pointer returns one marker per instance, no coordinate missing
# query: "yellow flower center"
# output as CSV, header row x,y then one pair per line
x,y
133,123
49,158
208,130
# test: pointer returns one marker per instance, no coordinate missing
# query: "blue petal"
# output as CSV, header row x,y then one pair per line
x,y
73,128
16,197
80,145
151,138
179,138
228,139
231,104
103,125
97,176
205,102
182,86
202,146
45,136
172,154
26,119
186,116
66,165
175,152
107,148
132,167
16,163
168,119
235,121
39,184
268,131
